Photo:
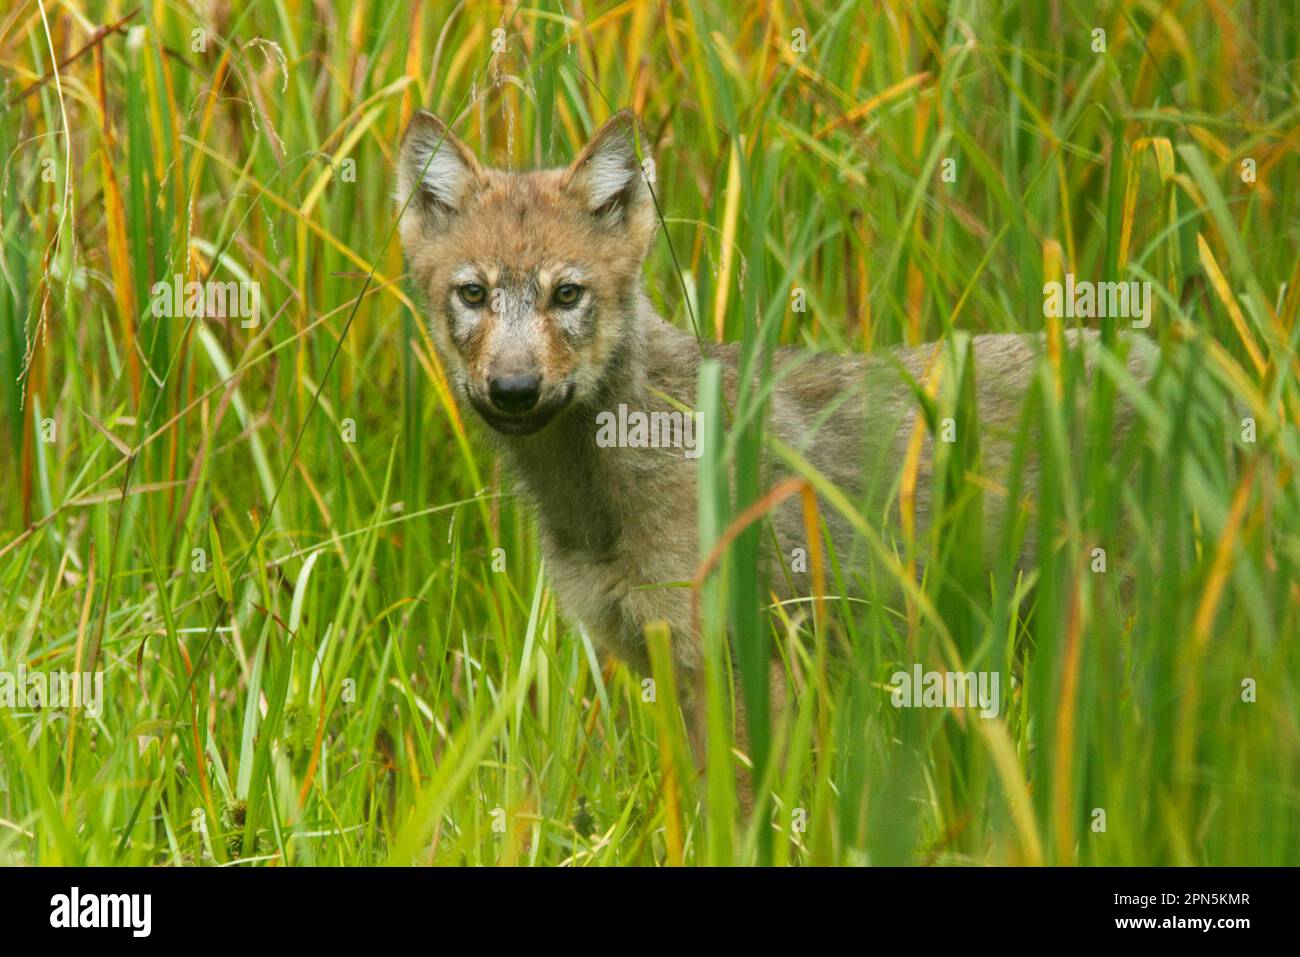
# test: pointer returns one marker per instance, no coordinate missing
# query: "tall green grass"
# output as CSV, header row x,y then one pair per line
x,y
364,663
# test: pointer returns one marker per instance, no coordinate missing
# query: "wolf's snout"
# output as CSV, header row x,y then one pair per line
x,y
515,393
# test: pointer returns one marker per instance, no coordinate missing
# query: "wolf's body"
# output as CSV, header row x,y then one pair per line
x,y
618,524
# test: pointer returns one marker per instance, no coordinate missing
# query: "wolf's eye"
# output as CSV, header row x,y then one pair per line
x,y
472,294
568,295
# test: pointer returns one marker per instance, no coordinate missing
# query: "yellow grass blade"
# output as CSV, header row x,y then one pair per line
x,y
730,217
1224,292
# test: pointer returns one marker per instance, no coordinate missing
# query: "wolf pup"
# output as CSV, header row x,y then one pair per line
x,y
532,283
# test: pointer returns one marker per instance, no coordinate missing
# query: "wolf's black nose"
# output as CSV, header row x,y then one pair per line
x,y
515,393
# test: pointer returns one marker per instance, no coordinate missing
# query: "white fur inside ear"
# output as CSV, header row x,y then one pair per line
x,y
608,173
445,176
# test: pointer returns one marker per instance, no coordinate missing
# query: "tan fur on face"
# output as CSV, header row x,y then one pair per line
x,y
537,227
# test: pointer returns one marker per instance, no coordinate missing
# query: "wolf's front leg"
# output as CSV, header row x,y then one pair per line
x,y
696,712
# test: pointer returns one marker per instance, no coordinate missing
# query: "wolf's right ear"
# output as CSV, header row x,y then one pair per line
x,y
435,172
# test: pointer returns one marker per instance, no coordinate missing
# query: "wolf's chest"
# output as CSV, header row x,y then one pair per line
x,y
617,591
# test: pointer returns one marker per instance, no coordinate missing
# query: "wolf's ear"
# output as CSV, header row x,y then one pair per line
x,y
607,176
436,172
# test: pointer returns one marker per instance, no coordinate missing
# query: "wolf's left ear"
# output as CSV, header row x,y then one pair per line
x,y
608,177
436,172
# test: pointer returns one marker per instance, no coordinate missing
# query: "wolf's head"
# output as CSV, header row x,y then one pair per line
x,y
531,279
